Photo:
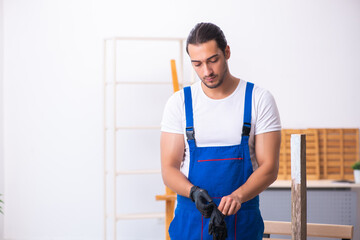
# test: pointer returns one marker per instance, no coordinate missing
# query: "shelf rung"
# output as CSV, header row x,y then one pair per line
x,y
123,82
145,38
131,83
136,172
166,197
138,127
140,216
133,128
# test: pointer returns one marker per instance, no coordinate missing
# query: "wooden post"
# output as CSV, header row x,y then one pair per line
x,y
169,211
298,186
174,75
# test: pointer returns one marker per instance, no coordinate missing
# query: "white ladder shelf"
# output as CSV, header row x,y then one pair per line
x,y
113,172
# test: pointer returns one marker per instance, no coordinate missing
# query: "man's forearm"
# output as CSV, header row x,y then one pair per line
x,y
267,148
256,183
172,153
176,181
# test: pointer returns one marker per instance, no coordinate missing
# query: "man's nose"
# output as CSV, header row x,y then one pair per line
x,y
207,70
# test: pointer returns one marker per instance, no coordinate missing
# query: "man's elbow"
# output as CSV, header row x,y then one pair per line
x,y
274,174
271,172
164,174
274,177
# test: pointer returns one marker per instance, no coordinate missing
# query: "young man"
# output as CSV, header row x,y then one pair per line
x,y
220,145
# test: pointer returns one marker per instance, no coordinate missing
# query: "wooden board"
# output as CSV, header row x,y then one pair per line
x,y
298,186
313,230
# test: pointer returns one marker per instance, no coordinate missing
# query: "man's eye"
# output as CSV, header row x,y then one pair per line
x,y
214,60
197,64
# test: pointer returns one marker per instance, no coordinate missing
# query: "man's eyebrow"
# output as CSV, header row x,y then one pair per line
x,y
215,55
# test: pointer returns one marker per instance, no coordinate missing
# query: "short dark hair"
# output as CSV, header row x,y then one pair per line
x,y
204,32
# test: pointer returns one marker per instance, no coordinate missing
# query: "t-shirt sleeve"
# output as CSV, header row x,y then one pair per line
x,y
268,117
173,114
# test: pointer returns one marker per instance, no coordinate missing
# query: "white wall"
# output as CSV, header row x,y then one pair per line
x,y
53,121
1,115
307,54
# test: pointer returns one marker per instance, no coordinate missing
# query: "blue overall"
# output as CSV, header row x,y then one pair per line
x,y
220,170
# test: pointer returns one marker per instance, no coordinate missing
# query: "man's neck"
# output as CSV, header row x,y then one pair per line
x,y
225,89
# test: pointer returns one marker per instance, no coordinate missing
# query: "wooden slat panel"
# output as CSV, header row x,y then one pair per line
x,y
340,151
334,176
312,153
329,150
350,144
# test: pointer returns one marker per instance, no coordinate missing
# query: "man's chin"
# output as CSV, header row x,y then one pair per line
x,y
211,85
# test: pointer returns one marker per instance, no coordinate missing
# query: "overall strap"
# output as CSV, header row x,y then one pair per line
x,y
247,112
190,133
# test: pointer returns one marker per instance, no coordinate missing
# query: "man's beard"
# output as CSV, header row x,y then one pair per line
x,y
221,80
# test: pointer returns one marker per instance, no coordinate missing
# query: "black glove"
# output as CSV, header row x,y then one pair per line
x,y
202,201
217,225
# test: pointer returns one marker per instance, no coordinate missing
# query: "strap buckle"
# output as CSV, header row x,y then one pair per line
x,y
246,129
190,134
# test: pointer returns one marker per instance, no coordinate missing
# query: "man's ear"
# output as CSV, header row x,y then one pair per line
x,y
227,52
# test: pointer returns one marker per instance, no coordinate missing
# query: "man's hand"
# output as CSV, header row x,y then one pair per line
x,y
202,201
217,225
230,204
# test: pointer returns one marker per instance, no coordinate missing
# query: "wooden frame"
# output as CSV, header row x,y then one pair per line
x,y
313,230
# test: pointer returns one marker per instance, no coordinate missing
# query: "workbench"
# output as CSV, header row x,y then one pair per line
x,y
328,201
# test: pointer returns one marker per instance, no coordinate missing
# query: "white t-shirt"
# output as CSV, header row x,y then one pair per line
x,y
219,122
